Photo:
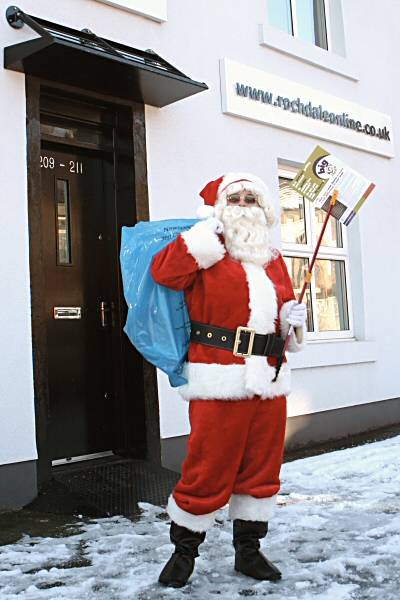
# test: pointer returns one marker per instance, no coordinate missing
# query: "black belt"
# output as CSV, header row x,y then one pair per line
x,y
242,341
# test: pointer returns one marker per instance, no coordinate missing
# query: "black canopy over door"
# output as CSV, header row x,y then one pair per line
x,y
83,59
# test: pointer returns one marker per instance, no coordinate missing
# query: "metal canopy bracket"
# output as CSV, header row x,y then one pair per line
x,y
83,59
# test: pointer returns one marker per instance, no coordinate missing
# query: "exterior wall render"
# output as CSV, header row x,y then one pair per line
x,y
191,142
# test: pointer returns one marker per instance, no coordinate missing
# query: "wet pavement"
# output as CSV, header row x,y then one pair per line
x,y
55,511
335,536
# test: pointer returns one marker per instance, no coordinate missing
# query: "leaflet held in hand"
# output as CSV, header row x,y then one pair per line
x,y
324,172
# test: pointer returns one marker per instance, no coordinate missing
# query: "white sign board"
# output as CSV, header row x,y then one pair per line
x,y
261,96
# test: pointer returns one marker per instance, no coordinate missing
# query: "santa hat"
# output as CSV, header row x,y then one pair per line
x,y
215,194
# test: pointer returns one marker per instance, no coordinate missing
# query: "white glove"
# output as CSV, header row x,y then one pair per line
x,y
214,224
297,315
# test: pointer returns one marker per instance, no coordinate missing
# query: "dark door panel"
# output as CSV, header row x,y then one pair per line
x,y
76,206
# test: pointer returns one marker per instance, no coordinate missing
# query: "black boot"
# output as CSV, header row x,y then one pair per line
x,y
248,558
181,564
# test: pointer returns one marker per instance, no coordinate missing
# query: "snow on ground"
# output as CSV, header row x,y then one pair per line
x,y
335,536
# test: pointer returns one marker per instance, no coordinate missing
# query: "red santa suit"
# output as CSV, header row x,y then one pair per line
x,y
237,412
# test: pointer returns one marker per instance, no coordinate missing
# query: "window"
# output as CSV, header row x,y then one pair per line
x,y
63,224
304,19
328,297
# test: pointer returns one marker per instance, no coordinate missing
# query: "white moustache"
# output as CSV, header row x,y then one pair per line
x,y
251,214
246,232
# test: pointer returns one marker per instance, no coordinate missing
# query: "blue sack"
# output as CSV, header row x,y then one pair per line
x,y
158,322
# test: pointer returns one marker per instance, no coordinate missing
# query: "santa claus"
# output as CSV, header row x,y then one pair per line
x,y
242,306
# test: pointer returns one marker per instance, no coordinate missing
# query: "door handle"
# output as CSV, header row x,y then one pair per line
x,y
104,309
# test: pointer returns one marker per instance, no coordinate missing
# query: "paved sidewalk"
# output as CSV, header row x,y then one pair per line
x,y
335,536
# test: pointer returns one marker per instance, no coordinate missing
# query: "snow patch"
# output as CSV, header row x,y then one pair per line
x,y
335,535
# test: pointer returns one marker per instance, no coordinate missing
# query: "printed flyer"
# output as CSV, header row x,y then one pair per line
x,y
321,174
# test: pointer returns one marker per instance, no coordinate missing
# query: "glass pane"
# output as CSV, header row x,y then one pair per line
x,y
330,288
63,222
321,37
305,20
293,225
71,132
311,23
297,268
333,232
280,15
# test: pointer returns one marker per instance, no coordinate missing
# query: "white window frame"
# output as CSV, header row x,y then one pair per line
x,y
306,251
334,60
293,4
328,25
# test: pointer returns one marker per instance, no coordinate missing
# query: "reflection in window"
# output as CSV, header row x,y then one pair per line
x,y
330,289
69,131
333,232
293,225
297,268
304,19
311,22
63,222
280,15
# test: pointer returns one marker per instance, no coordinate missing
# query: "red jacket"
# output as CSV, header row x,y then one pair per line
x,y
222,291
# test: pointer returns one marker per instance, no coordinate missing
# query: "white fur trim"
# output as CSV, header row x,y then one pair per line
x,y
231,183
205,211
262,299
298,337
263,312
231,382
185,519
203,244
248,508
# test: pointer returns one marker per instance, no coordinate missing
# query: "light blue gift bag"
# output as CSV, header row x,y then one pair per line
x,y
157,323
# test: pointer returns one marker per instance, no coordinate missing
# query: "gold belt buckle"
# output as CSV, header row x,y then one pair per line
x,y
239,331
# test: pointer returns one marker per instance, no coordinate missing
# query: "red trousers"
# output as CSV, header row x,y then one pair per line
x,y
234,454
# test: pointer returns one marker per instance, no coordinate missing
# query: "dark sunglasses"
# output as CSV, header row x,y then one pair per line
x,y
249,198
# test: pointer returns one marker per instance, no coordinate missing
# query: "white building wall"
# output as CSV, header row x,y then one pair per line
x,y
191,142
17,423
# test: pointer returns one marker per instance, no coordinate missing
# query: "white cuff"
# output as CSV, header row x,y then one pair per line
x,y
204,245
298,337
185,519
248,508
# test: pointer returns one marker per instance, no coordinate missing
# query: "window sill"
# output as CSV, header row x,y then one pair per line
x,y
329,353
287,44
156,10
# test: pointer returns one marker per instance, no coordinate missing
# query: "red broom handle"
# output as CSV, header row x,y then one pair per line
x,y
321,235
309,273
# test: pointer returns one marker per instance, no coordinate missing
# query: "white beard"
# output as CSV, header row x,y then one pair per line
x,y
246,233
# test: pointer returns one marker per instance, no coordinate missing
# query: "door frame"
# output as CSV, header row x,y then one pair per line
x,y
148,430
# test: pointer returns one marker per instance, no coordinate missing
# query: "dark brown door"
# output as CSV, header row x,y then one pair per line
x,y
77,220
